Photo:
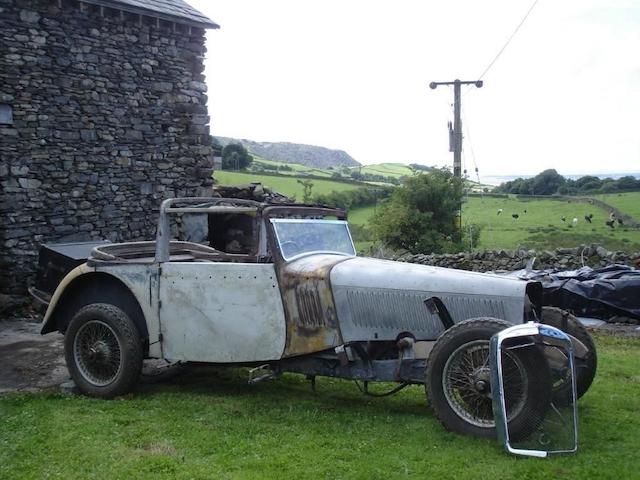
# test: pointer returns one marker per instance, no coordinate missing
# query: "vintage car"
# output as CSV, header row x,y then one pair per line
x,y
279,288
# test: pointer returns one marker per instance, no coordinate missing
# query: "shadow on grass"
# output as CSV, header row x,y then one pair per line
x,y
228,383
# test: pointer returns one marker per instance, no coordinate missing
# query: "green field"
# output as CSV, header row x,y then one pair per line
x,y
296,168
210,424
628,203
541,227
395,170
286,185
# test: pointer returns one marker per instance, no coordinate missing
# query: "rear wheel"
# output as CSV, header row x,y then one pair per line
x,y
587,363
103,351
458,381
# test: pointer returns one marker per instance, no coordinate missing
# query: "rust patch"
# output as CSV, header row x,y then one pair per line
x,y
312,323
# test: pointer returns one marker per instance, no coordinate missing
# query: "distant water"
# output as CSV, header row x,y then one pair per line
x,y
498,179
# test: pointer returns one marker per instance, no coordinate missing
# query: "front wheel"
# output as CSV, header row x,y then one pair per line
x,y
458,381
103,351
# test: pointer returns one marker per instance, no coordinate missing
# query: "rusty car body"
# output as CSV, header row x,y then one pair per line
x,y
279,288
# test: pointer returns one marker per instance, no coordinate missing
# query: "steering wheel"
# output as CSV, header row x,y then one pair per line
x,y
289,246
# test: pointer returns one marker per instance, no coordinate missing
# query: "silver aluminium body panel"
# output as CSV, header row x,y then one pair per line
x,y
379,299
221,312
142,281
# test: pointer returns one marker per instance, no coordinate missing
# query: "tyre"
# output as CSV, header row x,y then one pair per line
x,y
103,351
587,364
458,381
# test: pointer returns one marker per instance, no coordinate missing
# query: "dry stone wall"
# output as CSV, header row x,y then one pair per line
x,y
109,117
560,258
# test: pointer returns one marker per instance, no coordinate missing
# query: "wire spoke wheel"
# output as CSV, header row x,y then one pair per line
x,y
466,383
458,381
97,353
103,350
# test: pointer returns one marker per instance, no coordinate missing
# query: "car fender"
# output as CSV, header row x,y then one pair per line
x,y
60,289
132,287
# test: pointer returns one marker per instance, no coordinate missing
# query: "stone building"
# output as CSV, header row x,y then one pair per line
x,y
102,115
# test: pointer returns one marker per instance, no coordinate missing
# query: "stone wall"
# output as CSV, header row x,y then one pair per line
x,y
109,118
560,258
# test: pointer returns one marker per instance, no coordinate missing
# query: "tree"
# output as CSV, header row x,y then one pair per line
x,y
588,183
420,215
235,157
307,187
608,186
628,183
547,182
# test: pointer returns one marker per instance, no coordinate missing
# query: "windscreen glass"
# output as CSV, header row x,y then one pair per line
x,y
303,236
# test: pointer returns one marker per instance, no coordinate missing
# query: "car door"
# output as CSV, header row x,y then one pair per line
x,y
221,312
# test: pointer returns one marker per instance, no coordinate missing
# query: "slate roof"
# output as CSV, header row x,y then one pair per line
x,y
174,10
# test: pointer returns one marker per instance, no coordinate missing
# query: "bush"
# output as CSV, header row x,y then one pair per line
x,y
420,216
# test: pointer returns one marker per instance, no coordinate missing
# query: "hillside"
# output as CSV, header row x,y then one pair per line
x,y
285,184
394,170
310,155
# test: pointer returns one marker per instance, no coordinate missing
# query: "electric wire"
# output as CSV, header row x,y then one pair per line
x,y
473,154
475,164
506,44
526,15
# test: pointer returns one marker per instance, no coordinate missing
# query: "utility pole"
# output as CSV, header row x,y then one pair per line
x,y
455,140
455,143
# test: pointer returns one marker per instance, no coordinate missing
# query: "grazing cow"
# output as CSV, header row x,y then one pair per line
x,y
574,221
587,218
525,211
620,222
515,216
610,223
499,211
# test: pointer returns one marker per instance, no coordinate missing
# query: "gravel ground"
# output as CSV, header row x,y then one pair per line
x,y
30,361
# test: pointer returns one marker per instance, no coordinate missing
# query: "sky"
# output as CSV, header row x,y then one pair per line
x,y
354,75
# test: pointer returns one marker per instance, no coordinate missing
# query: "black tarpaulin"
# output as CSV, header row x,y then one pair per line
x,y
602,292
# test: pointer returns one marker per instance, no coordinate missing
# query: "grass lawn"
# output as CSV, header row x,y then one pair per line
x,y
283,184
213,425
541,227
628,203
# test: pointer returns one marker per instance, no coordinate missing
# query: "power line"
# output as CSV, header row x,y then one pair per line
x,y
509,39
466,128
